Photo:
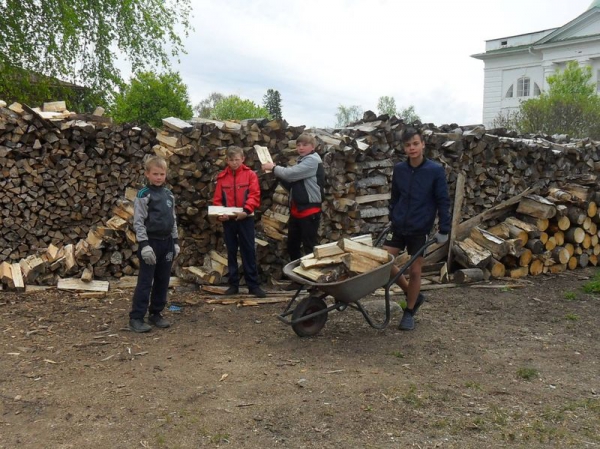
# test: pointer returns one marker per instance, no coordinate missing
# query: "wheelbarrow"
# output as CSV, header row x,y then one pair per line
x,y
309,314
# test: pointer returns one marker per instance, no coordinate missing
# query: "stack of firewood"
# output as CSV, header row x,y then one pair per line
x,y
543,234
341,260
66,176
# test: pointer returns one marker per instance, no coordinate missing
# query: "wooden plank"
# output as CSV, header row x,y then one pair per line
x,y
169,141
350,246
371,198
78,284
323,262
177,124
459,196
223,210
356,263
6,273
17,277
263,155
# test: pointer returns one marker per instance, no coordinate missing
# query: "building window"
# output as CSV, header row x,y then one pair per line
x,y
509,92
523,87
536,90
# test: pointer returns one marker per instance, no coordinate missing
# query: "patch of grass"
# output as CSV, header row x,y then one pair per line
x,y
527,373
402,303
161,440
473,385
412,397
547,433
506,289
570,296
592,286
219,438
571,317
499,416
440,424
398,354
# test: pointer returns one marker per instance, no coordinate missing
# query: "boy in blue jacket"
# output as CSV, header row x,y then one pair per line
x,y
419,193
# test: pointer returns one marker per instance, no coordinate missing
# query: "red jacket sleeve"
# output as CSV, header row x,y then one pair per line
x,y
253,200
218,196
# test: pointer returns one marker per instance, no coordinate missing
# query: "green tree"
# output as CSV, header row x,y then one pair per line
x,y
44,41
347,115
149,98
570,106
205,107
272,102
409,115
386,105
235,108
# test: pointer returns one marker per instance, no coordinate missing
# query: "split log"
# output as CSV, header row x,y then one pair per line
x,y
495,245
470,254
536,206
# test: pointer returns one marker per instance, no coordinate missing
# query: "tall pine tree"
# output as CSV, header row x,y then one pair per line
x,y
272,102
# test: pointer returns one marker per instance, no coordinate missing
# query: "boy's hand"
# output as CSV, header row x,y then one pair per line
x,y
148,255
268,166
241,215
177,250
441,238
223,217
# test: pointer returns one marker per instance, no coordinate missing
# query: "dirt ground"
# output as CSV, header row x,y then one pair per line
x,y
483,368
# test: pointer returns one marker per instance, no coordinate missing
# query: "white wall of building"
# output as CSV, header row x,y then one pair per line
x,y
534,57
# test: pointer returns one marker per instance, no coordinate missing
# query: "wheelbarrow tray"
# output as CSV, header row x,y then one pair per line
x,y
348,290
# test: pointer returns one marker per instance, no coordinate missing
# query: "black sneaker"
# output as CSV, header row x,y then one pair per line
x,y
407,323
232,290
258,292
419,303
157,320
137,325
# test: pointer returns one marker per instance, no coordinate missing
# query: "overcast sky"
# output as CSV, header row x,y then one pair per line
x,y
322,53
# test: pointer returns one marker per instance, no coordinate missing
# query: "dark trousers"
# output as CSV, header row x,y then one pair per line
x,y
303,234
153,280
240,234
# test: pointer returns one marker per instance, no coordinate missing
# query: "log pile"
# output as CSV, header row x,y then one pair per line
x,y
68,181
338,261
542,234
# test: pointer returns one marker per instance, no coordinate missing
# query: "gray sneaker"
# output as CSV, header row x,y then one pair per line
x,y
419,303
157,320
407,323
137,325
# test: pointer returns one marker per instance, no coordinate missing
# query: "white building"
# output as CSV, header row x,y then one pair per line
x,y
516,67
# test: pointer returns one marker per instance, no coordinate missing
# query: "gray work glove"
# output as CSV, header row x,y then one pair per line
x,y
441,238
148,255
177,250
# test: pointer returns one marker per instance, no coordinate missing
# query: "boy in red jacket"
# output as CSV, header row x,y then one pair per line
x,y
237,186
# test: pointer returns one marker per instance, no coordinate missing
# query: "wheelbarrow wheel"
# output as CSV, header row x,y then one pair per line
x,y
312,326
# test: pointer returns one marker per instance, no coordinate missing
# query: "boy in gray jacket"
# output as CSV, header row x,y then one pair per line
x,y
155,226
305,182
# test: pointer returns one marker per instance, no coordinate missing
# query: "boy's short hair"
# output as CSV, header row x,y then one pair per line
x,y
409,133
234,151
307,138
155,161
